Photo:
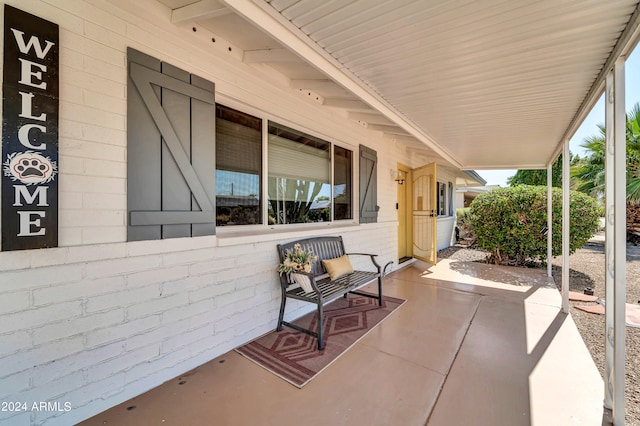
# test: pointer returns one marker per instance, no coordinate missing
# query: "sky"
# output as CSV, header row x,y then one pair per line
x,y
589,126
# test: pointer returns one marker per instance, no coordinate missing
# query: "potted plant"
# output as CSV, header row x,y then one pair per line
x,y
296,261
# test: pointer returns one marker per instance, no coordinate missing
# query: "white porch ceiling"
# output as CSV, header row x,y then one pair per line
x,y
480,84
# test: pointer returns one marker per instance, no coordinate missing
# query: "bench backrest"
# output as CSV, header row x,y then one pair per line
x,y
323,247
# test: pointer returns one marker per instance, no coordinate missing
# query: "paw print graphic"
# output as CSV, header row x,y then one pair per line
x,y
31,168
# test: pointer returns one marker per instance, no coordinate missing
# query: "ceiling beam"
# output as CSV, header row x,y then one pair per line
x,y
387,129
426,155
204,9
313,84
370,118
419,150
327,86
348,104
265,17
269,56
401,138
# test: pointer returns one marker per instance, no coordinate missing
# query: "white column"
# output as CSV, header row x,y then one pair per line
x,y
609,248
565,227
549,219
619,242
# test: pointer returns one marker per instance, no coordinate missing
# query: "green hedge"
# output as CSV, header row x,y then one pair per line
x,y
508,222
462,215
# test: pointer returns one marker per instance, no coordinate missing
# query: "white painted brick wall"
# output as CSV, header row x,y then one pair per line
x,y
84,361
14,384
39,355
14,302
124,362
192,337
17,418
121,332
31,318
77,326
83,149
113,267
99,320
14,341
23,279
187,311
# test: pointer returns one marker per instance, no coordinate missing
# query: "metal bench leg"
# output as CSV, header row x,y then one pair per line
x,y
379,291
320,327
281,317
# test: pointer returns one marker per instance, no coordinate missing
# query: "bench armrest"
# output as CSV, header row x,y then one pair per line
x,y
373,259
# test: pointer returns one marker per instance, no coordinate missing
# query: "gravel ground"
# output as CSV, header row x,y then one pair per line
x,y
587,270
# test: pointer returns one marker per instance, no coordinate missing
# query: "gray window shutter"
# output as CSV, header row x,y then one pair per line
x,y
171,151
368,185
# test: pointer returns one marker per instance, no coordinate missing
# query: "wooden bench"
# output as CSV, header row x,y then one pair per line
x,y
325,290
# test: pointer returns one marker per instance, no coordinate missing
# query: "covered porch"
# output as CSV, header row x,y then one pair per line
x,y
474,344
136,292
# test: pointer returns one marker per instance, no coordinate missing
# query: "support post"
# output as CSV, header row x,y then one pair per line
x,y
565,227
620,241
549,219
609,247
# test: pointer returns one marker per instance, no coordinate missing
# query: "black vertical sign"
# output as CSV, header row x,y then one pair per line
x,y
29,132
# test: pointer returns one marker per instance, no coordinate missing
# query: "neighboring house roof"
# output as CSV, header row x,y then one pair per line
x,y
475,176
469,178
474,191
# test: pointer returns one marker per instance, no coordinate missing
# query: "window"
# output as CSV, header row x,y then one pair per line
x,y
299,177
445,199
299,180
442,198
194,165
450,198
342,183
238,168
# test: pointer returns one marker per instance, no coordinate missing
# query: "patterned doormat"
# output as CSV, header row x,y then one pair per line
x,y
294,356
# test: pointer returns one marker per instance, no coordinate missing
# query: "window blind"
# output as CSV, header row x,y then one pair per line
x,y
293,160
238,148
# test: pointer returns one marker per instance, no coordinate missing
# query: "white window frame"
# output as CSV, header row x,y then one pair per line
x,y
447,199
266,118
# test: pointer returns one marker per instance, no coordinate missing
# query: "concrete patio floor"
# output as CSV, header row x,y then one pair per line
x,y
475,344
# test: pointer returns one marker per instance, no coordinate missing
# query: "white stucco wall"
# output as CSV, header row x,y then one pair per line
x,y
99,320
446,224
459,196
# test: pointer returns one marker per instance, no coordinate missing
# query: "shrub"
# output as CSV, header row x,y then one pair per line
x,y
462,215
463,222
509,223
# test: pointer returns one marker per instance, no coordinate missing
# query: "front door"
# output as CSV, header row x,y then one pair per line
x,y
405,235
424,213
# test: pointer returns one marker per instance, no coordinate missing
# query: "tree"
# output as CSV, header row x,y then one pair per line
x,y
588,172
538,176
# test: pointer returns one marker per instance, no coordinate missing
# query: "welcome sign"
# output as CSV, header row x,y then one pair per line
x,y
29,132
